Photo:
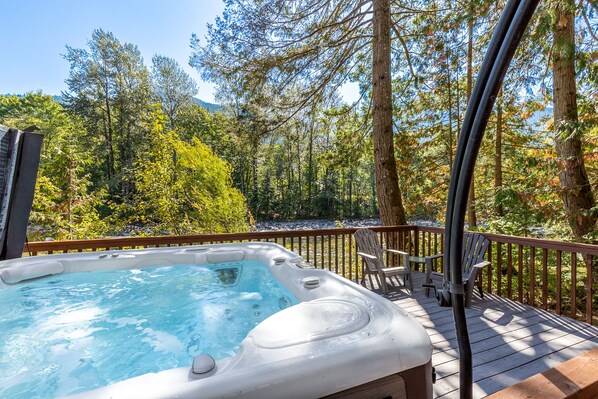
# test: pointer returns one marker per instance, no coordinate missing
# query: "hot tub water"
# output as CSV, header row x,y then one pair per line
x,y
74,332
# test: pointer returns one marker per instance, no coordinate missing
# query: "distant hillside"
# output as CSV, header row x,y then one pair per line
x,y
209,106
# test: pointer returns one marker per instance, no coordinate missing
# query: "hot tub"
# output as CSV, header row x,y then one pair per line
x,y
339,339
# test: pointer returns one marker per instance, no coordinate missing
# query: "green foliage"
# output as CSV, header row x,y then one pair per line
x,y
194,121
185,188
299,51
320,165
64,205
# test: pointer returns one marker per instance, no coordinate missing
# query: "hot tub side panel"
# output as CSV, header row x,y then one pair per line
x,y
415,383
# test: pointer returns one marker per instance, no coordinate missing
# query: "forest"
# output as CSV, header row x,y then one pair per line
x,y
129,150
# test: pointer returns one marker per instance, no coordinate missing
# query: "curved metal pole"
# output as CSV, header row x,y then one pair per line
x,y
479,109
472,109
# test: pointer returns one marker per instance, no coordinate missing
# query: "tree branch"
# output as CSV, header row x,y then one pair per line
x,y
405,49
587,21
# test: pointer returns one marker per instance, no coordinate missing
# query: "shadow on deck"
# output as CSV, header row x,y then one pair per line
x,y
510,341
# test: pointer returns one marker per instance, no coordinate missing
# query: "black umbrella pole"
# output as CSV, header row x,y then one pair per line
x,y
496,63
465,355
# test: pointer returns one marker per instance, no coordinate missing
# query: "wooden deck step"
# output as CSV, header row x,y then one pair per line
x,y
576,378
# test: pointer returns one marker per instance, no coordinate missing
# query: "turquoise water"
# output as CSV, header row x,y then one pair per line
x,y
74,332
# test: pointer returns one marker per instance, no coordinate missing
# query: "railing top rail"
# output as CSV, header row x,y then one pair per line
x,y
42,246
430,229
529,241
69,245
544,243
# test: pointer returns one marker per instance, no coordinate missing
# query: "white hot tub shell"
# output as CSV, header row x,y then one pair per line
x,y
339,340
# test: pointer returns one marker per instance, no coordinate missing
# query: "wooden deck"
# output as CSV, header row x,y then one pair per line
x,y
510,341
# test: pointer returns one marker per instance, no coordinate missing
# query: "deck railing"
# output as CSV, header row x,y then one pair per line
x,y
557,276
330,249
553,275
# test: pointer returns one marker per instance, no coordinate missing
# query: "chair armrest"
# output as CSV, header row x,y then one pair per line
x,y
481,265
473,273
429,259
366,255
403,254
395,251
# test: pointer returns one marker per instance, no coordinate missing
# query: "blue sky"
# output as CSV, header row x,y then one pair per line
x,y
35,33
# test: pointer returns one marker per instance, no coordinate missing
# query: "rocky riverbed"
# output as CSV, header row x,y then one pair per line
x,y
316,224
306,224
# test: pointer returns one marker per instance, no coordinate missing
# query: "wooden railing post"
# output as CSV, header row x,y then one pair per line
x,y
589,289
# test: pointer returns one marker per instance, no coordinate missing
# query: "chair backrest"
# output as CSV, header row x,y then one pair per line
x,y
367,242
474,249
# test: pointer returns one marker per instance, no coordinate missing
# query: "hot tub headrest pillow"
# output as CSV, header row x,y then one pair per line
x,y
17,274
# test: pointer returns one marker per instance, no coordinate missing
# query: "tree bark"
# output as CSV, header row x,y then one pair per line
x,y
299,211
498,156
310,170
472,219
255,202
574,183
350,213
109,133
450,110
387,180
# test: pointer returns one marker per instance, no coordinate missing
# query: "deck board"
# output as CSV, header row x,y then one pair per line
x,y
510,341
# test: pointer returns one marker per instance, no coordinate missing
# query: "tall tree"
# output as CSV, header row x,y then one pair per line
x,y
575,186
173,86
471,213
498,155
387,180
313,46
109,87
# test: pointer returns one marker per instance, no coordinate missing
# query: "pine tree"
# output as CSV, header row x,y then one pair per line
x,y
109,88
173,86
576,190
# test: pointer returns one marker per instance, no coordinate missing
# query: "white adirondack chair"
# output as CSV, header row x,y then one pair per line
x,y
372,253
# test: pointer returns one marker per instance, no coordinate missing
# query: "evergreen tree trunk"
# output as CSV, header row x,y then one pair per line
x,y
387,180
109,136
70,194
472,220
310,170
498,156
373,202
351,213
254,179
450,110
575,187
299,210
